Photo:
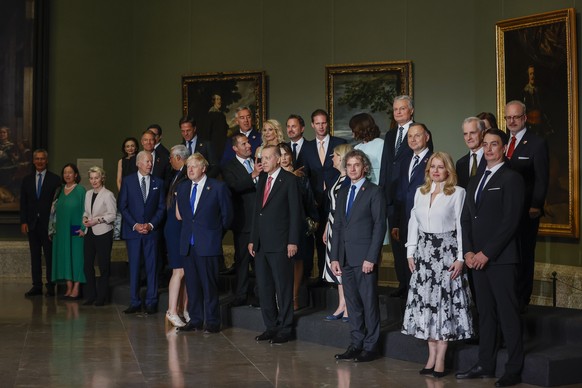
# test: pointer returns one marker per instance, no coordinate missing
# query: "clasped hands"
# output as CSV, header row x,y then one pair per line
x,y
476,260
142,228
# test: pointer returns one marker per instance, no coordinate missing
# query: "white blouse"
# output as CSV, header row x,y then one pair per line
x,y
444,215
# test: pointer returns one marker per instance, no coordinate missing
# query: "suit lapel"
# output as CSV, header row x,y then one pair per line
x,y
275,187
205,192
358,199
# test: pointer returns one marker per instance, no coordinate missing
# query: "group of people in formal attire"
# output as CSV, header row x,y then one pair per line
x,y
459,234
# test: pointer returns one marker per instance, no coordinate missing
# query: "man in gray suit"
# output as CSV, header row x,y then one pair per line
x,y
358,230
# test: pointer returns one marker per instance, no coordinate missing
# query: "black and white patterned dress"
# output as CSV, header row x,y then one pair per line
x,y
437,307
328,275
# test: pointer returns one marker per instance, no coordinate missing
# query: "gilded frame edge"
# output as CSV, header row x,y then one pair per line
x,y
567,16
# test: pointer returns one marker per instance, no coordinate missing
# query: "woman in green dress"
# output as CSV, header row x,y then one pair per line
x,y
69,231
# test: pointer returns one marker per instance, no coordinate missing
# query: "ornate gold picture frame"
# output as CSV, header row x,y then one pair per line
x,y
213,98
537,64
365,87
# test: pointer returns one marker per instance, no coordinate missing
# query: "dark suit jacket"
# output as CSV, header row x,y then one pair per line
x,y
491,226
298,163
462,168
278,223
244,193
212,217
161,167
531,160
228,154
35,211
390,168
205,148
359,237
174,180
318,174
405,193
163,151
135,211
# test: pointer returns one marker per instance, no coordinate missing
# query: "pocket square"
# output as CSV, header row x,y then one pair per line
x,y
494,188
523,157
155,188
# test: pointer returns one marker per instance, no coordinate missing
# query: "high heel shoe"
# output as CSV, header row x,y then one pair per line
x,y
334,317
426,371
439,374
174,319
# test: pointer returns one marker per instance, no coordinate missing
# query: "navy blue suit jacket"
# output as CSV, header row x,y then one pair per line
x,y
254,140
135,211
318,173
213,216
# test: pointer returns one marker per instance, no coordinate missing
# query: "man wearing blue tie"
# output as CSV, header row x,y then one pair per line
x,y
205,208
355,255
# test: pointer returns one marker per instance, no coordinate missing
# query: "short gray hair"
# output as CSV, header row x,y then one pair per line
x,y
358,154
516,102
407,98
180,150
480,123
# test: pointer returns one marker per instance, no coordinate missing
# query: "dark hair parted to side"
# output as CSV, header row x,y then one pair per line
x,y
187,119
298,118
75,169
319,112
364,127
498,132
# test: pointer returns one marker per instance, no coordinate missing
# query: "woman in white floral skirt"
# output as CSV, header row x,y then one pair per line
x,y
438,304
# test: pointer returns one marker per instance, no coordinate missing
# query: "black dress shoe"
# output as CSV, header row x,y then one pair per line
x,y
71,298
268,335
238,302
366,356
132,310
190,326
426,371
475,372
228,271
33,292
508,381
279,339
151,309
349,354
50,291
211,329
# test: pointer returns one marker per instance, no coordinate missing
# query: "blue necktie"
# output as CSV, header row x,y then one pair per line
x,y
190,146
295,151
480,189
192,203
351,200
38,188
248,166
399,140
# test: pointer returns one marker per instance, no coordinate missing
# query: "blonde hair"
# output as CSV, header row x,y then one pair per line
x,y
278,130
451,180
197,157
97,170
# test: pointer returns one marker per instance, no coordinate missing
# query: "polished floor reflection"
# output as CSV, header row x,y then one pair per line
x,y
50,343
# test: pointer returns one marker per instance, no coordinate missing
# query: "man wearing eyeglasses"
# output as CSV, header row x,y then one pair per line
x,y
527,154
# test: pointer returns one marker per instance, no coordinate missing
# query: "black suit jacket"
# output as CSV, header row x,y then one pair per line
x,y
228,154
491,225
462,168
162,166
205,149
359,237
318,173
530,159
298,163
278,223
163,151
35,211
244,194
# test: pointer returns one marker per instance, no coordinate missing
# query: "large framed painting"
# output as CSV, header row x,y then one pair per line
x,y
212,100
23,26
537,64
365,87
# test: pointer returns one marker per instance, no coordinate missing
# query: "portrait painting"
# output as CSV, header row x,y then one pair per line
x,y
365,87
536,59
212,99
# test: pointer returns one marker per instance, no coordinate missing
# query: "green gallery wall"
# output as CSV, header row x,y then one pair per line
x,y
115,66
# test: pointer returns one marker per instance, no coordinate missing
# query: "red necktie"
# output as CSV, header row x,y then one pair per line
x,y
267,190
511,147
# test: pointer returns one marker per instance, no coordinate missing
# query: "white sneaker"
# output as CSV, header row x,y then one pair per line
x,y
174,319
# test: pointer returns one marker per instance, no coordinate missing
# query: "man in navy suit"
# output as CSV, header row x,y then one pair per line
x,y
410,178
159,148
141,203
205,208
244,119
358,232
295,129
471,164
36,197
160,161
395,150
241,175
195,144
318,162
490,219
274,240
528,155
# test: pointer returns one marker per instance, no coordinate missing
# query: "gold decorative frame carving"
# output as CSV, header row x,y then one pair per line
x,y
545,45
369,87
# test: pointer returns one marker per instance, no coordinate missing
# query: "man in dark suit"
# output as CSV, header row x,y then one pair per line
x,y
318,161
36,197
491,215
274,239
358,232
295,129
159,148
528,155
194,144
240,174
244,119
394,152
141,203
471,164
205,208
411,176
160,162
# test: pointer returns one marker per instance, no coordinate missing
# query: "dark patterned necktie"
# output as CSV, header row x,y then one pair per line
x,y
474,166
399,140
144,192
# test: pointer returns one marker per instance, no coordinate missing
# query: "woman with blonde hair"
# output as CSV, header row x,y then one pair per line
x,y
438,304
272,134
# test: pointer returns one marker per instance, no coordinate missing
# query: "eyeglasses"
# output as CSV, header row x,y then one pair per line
x,y
513,118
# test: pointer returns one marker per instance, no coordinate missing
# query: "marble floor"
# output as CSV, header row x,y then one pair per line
x,y
50,343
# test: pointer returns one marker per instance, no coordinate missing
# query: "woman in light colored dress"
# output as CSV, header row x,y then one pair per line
x,y
272,134
365,130
438,306
339,152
